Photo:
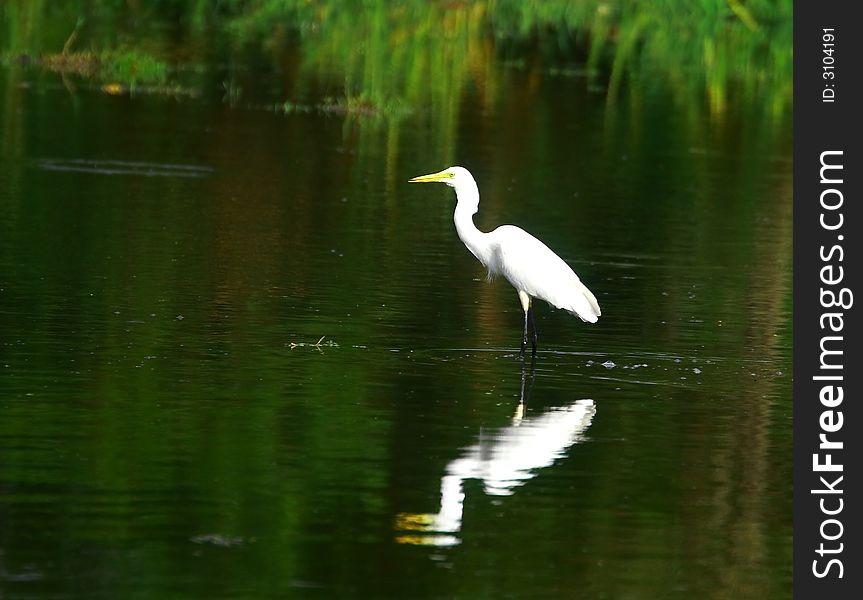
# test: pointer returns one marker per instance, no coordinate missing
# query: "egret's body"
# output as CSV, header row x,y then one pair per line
x,y
509,251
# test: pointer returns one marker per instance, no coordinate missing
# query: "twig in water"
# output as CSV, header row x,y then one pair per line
x,y
317,345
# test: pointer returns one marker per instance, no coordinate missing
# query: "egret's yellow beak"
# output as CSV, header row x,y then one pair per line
x,y
423,524
414,521
434,177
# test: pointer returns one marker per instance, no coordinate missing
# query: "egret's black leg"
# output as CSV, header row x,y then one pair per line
x,y
533,324
523,381
527,376
524,299
526,388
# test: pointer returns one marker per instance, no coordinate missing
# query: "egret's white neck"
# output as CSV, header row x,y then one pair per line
x,y
466,207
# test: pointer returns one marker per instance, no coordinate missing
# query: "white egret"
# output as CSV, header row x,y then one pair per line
x,y
528,264
503,459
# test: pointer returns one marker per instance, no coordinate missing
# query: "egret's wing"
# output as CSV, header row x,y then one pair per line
x,y
531,266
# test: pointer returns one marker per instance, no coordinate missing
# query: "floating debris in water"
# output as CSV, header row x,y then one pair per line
x,y
123,167
317,345
217,539
28,573
608,364
114,88
362,106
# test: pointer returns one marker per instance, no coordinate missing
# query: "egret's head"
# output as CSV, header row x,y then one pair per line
x,y
454,177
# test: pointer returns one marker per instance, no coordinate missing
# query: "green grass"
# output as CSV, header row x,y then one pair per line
x,y
386,58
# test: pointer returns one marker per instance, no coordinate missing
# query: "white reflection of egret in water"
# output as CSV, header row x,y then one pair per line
x,y
503,459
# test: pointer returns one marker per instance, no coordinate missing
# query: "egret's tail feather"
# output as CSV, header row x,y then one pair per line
x,y
585,306
592,300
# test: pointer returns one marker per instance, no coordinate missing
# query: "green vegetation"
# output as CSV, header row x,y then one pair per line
x,y
127,66
385,57
119,68
132,66
423,52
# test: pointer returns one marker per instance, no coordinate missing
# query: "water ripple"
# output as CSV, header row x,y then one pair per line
x,y
123,167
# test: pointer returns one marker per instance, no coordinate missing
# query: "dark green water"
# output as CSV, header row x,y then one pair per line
x,y
168,427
